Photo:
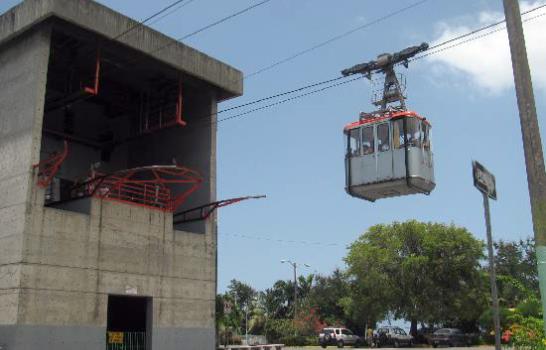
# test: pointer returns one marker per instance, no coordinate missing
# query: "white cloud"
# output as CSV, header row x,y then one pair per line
x,y
485,62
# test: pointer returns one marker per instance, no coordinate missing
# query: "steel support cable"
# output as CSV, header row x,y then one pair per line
x,y
335,38
279,95
288,99
171,12
144,21
211,25
433,48
442,49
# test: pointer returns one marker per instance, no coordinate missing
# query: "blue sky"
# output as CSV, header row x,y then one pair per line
x,y
294,153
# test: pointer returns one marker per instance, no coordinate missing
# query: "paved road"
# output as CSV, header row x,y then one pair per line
x,y
484,347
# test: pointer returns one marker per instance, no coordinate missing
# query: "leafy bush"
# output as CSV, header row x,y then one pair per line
x,y
486,321
530,307
293,340
276,330
528,333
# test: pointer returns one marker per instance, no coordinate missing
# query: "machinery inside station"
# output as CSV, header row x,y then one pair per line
x,y
115,126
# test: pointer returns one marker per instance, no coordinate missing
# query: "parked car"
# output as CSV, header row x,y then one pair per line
x,y
450,337
390,335
338,336
424,335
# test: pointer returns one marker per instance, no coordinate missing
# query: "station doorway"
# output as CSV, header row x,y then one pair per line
x,y
129,323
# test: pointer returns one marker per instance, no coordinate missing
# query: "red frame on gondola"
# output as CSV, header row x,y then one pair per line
x,y
387,116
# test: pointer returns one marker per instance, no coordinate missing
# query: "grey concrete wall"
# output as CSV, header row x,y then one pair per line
x,y
23,71
51,337
72,262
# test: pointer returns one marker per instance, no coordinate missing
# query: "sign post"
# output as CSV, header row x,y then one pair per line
x,y
484,181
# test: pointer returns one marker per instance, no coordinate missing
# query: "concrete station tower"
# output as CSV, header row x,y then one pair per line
x,y
106,133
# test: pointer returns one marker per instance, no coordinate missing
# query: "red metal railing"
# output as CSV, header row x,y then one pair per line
x,y
49,167
157,187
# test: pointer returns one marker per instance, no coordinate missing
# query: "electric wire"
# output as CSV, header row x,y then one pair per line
x,y
288,100
211,25
141,23
482,29
332,39
276,240
171,12
458,43
280,94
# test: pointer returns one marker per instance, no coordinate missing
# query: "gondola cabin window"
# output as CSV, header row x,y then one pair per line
x,y
383,138
353,146
368,139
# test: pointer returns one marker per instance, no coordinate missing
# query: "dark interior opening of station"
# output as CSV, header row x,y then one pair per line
x,y
109,109
131,316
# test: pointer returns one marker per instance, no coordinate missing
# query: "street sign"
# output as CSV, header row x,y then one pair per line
x,y
227,307
484,180
115,337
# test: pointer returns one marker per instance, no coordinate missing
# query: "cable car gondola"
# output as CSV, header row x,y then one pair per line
x,y
389,151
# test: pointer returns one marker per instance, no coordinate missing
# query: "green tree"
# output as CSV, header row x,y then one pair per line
x,y
242,293
422,272
242,298
516,267
340,300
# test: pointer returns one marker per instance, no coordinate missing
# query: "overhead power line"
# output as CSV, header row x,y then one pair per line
x,y
482,29
280,94
211,25
171,12
144,21
332,39
433,49
289,99
459,43
271,239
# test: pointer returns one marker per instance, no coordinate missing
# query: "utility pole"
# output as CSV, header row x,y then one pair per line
x,y
532,144
485,183
295,268
492,274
